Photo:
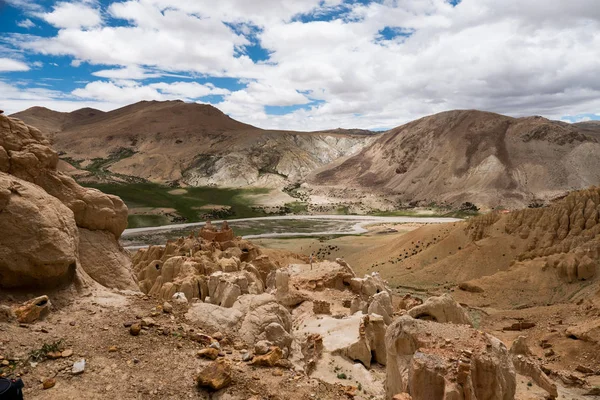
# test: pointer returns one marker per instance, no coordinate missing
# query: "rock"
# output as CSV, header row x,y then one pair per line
x,y
179,298
370,346
470,287
48,383
519,326
418,365
441,309
269,359
381,304
357,305
148,321
209,353
113,349
525,365
135,329
6,313
45,210
402,396
588,331
321,307
259,312
215,376
54,355
277,335
103,259
33,310
31,219
212,318
67,353
78,367
584,370
247,356
262,347
167,307
218,336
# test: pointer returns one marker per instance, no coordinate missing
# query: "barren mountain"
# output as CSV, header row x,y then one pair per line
x,y
481,157
192,144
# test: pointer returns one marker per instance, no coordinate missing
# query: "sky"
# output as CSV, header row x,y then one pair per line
x,y
306,65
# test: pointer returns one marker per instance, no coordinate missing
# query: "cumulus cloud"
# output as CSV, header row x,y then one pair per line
x,y
7,64
73,15
331,61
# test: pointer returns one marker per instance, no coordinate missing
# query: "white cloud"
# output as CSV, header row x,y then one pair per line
x,y
73,16
129,91
7,64
26,23
512,56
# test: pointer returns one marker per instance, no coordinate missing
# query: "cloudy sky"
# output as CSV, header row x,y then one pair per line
x,y
308,64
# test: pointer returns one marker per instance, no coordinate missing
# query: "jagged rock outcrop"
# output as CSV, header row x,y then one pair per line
x,y
526,365
202,269
35,197
370,346
441,309
431,360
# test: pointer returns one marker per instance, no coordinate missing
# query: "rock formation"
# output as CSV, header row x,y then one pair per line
x,y
441,309
50,224
431,360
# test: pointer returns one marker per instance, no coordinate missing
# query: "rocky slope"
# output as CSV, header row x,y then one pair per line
x,y
53,230
530,257
480,157
190,144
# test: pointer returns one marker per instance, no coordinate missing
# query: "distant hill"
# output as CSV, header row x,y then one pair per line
x,y
188,143
480,157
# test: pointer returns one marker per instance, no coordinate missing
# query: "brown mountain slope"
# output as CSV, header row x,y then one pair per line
x,y
528,257
475,156
192,144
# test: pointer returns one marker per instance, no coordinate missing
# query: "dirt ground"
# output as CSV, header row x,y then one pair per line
x,y
160,363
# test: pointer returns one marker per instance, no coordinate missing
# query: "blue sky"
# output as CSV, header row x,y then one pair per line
x,y
306,65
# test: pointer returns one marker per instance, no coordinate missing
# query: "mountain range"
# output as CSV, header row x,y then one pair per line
x,y
448,158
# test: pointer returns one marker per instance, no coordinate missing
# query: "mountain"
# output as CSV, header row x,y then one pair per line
x,y
188,143
479,157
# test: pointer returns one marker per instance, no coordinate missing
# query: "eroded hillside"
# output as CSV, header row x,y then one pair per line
x,y
485,158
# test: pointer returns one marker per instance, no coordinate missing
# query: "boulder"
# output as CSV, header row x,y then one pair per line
x,y
588,331
33,310
260,311
103,259
441,309
381,304
213,318
431,360
39,240
370,346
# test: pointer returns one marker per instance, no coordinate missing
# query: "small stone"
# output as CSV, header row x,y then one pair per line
x,y
269,359
247,357
218,336
583,369
215,376
262,347
112,349
215,345
48,383
5,363
167,307
209,353
78,367
67,353
53,355
549,353
127,324
72,323
135,329
148,322
277,372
